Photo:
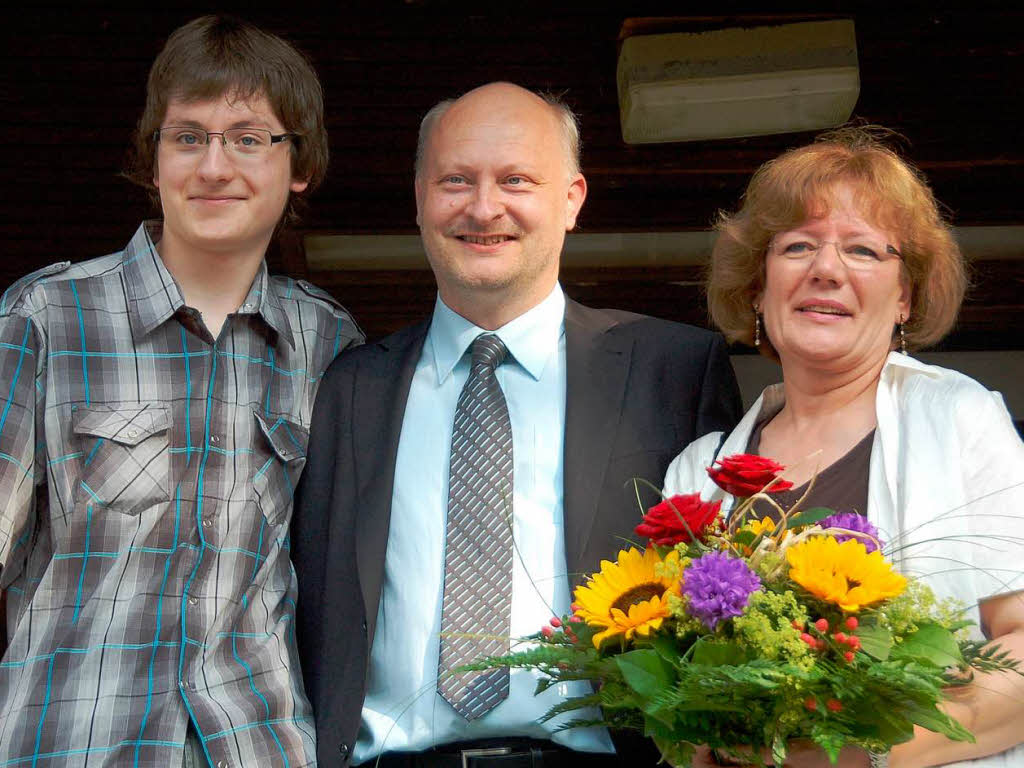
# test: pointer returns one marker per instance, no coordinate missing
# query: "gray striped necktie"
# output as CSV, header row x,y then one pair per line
x,y
477,607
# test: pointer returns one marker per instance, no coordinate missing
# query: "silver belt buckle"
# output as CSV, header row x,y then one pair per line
x,y
492,752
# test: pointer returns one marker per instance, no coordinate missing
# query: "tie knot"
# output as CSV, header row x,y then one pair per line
x,y
488,350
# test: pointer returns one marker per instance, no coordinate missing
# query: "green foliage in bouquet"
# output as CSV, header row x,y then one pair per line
x,y
747,635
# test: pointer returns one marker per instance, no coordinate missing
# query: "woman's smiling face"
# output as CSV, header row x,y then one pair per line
x,y
834,289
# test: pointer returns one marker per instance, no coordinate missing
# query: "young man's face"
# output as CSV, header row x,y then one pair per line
x,y
215,199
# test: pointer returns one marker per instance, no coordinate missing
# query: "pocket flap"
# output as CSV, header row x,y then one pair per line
x,y
126,425
287,438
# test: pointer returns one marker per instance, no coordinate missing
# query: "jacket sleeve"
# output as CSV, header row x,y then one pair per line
x,y
720,406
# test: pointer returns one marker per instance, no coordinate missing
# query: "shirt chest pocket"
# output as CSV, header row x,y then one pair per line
x,y
124,456
282,455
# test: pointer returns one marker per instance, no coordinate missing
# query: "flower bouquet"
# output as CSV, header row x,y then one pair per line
x,y
743,634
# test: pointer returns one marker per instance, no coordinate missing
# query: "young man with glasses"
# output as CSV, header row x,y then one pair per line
x,y
154,420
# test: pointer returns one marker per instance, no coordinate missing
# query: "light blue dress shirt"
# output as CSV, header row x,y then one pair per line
x,y
402,710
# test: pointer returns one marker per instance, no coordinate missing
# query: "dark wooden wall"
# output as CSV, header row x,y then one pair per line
x,y
947,76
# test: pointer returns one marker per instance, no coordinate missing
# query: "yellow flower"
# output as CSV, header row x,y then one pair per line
x,y
844,574
757,527
627,597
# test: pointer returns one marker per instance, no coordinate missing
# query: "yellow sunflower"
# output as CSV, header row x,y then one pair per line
x,y
844,574
627,597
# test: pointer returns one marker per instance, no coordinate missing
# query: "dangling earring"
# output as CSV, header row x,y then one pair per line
x,y
757,327
903,338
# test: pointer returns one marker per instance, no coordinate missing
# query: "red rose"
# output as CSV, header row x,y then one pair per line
x,y
664,523
744,474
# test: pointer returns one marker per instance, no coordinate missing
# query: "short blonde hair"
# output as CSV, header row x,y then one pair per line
x,y
799,185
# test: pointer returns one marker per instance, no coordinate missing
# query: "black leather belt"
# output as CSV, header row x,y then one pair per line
x,y
498,754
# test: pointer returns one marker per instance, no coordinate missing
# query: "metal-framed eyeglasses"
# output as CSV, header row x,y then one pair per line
x,y
857,253
242,143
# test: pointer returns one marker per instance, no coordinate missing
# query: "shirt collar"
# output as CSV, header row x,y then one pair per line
x,y
531,339
263,300
154,295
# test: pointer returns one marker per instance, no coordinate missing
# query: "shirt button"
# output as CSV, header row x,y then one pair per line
x,y
193,600
215,439
133,433
207,522
222,764
247,307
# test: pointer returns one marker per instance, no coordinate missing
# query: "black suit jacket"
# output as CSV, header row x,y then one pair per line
x,y
638,390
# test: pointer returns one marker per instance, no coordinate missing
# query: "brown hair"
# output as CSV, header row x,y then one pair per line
x,y
795,186
215,56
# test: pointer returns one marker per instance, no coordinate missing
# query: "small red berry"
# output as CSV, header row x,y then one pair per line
x,y
811,703
575,619
853,642
821,625
547,631
834,705
572,637
849,656
797,625
575,607
807,639
839,637
555,621
851,623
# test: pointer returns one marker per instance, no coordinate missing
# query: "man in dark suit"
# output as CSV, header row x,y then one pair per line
x,y
512,419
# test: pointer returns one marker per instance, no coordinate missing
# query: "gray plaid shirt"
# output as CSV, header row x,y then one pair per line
x,y
146,478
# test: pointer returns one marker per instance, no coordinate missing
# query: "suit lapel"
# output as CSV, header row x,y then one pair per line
x,y
380,392
597,366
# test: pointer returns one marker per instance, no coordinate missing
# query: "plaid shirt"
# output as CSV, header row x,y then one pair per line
x,y
146,478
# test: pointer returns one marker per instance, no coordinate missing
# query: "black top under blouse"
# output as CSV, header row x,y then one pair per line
x,y
841,486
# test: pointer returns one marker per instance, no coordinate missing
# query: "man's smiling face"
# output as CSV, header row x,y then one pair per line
x,y
495,197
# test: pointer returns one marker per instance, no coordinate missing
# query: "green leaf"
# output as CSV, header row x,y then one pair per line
x,y
934,719
646,672
876,642
931,644
716,654
809,516
665,645
744,538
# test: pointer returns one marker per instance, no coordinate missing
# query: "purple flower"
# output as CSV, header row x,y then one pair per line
x,y
718,587
851,521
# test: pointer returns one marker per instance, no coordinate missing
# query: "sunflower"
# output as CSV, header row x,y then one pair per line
x,y
843,573
627,597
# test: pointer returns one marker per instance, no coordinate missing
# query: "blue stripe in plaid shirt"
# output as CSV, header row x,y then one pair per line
x,y
146,479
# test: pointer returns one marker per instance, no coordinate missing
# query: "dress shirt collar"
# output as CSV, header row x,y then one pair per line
x,y
532,338
154,295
